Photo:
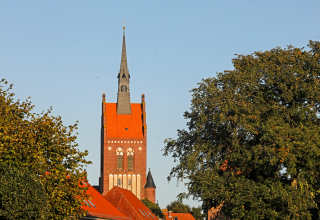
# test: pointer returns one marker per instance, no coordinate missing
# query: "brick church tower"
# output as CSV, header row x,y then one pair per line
x,y
124,139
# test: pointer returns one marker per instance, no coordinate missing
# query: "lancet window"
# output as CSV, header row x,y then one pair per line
x,y
130,154
123,88
119,158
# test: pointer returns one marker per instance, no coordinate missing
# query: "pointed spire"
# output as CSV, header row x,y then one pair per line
x,y
150,182
123,103
124,65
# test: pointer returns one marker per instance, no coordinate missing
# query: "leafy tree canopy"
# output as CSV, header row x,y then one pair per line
x,y
154,208
22,195
253,137
196,213
43,145
179,207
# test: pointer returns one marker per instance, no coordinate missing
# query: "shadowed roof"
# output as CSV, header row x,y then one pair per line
x,y
117,123
131,201
103,208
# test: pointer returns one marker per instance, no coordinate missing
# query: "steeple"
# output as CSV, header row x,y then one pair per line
x,y
123,102
150,182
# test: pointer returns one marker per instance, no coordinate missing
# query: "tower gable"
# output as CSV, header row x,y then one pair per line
x,y
123,125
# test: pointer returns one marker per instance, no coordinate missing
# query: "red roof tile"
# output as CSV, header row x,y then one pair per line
x,y
129,204
103,208
117,124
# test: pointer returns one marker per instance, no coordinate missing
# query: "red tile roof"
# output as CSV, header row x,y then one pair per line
x,y
103,208
129,204
117,124
181,216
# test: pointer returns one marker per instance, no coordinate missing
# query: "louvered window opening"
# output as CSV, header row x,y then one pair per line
x,y
130,162
119,162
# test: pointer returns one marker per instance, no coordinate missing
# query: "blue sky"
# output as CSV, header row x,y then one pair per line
x,y
65,54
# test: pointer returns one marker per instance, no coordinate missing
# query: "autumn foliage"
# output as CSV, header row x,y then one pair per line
x,y
44,146
253,138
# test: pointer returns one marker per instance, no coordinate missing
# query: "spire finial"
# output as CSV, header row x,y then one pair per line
x,y
124,26
124,23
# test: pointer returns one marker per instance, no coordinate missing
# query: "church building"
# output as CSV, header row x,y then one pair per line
x,y
124,141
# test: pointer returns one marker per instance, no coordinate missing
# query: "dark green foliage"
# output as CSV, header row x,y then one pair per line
x,y
41,143
154,208
196,213
253,138
22,195
178,207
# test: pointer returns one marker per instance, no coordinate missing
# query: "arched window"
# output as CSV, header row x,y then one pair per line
x,y
119,158
123,88
130,153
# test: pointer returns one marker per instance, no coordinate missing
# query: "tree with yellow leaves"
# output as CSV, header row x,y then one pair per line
x,y
253,141
41,144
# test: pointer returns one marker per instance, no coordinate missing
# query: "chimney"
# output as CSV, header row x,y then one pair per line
x,y
165,212
170,214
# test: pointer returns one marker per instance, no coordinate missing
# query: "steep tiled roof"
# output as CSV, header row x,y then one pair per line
x,y
181,216
150,182
129,204
117,123
103,208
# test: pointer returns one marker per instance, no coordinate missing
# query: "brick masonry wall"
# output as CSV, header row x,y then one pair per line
x,y
109,148
110,160
151,194
213,214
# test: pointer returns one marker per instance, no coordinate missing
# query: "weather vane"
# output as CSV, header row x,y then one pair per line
x,y
124,23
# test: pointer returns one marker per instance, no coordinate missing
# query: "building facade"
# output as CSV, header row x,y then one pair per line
x,y
123,138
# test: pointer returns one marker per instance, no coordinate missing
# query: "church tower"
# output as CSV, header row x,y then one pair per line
x,y
150,188
123,138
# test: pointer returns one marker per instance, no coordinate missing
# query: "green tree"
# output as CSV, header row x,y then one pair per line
x,y
196,213
22,195
43,145
154,208
253,137
178,207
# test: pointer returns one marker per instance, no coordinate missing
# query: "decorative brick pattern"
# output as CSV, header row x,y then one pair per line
x,y
114,136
